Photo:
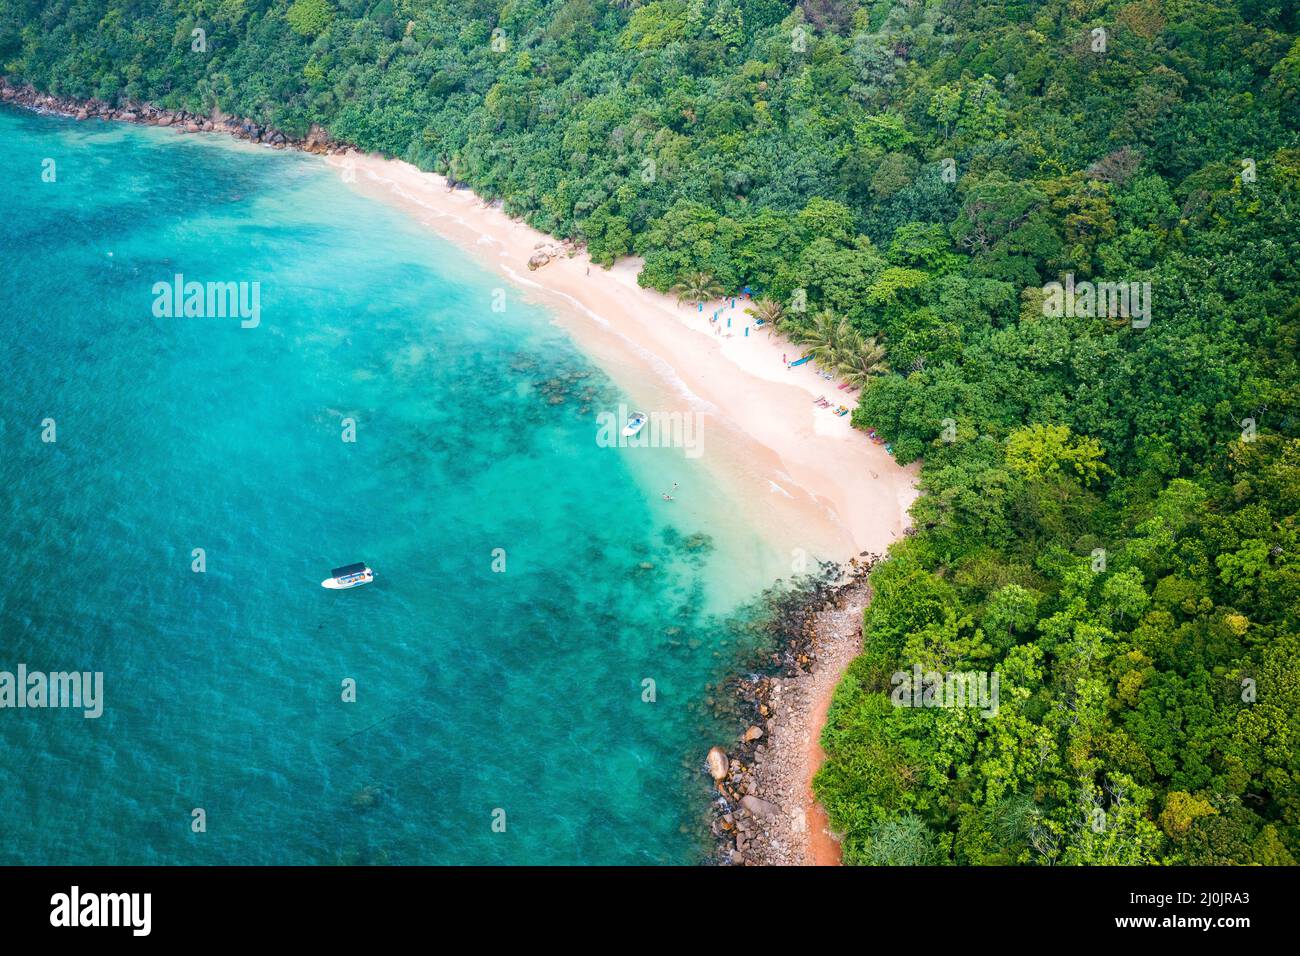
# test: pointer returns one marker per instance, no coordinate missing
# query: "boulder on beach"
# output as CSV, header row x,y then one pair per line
x,y
717,761
543,252
753,733
761,809
317,139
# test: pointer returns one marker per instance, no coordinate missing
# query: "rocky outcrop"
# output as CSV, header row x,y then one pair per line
x,y
317,139
545,251
761,803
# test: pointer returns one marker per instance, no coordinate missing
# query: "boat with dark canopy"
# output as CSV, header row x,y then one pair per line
x,y
349,576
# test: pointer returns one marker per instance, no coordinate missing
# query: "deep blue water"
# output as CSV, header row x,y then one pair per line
x,y
477,691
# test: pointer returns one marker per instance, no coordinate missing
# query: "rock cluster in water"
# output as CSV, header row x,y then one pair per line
x,y
558,389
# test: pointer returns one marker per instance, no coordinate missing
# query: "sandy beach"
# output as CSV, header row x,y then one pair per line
x,y
834,492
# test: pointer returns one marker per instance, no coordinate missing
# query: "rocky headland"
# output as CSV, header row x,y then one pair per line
x,y
764,810
183,121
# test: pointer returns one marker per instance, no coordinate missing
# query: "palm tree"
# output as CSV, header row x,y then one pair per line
x,y
768,311
866,363
848,345
696,287
840,349
830,339
821,332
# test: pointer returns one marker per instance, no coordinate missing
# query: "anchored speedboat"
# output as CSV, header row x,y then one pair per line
x,y
635,422
349,576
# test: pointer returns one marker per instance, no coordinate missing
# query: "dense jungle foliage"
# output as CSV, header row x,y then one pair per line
x,y
1109,510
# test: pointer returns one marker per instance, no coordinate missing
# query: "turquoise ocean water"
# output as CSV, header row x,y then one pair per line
x,y
477,691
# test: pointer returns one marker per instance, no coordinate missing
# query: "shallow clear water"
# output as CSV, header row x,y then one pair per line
x,y
477,691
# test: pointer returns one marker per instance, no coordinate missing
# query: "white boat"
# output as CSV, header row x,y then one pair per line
x,y
635,422
349,576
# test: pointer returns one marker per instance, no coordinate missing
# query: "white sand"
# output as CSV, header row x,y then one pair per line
x,y
820,484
